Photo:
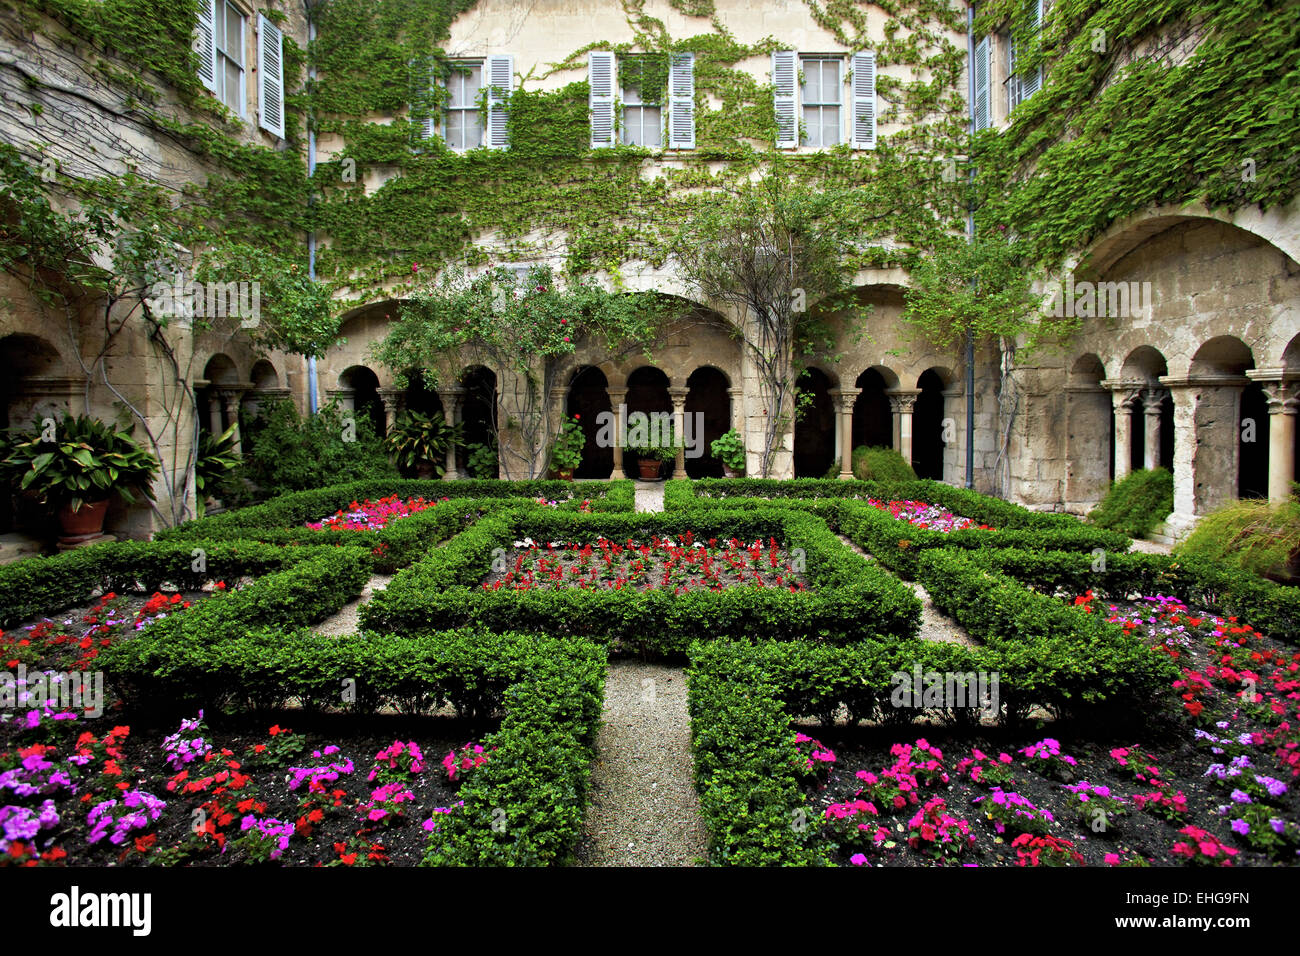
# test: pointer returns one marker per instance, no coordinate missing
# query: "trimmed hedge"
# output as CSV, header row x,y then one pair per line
x,y
1048,653
1272,608
898,544
291,511
525,806
38,586
1136,503
850,599
746,765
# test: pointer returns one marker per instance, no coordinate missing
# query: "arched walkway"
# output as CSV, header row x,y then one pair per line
x,y
478,413
873,416
927,425
647,392
589,399
707,403
814,428
359,391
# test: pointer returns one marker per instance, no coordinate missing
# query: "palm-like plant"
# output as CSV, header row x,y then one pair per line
x,y
417,440
216,460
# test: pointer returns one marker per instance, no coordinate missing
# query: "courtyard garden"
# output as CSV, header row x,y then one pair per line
x,y
407,672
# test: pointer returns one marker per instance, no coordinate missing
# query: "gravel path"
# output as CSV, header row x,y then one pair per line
x,y
643,809
649,495
345,621
935,625
1150,547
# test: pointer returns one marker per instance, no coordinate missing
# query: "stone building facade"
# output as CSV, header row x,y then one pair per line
x,y
1203,376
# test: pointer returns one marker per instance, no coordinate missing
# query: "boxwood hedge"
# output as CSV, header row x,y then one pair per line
x,y
850,599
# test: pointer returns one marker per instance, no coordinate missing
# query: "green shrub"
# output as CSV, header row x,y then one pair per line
x,y
287,452
1136,503
880,464
1256,536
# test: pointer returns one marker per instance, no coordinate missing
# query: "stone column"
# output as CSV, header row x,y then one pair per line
x,y
901,402
678,395
451,399
230,402
844,399
1124,396
394,400
214,414
737,409
1283,393
617,397
1152,401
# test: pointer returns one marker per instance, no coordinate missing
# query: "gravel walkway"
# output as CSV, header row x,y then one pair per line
x,y
1150,547
643,809
649,495
935,625
345,621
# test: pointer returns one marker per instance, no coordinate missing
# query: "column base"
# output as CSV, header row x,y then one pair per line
x,y
846,476
1177,527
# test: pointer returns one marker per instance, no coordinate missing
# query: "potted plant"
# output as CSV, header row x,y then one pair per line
x,y
77,470
419,443
658,447
730,449
566,455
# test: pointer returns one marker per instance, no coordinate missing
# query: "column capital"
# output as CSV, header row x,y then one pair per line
x,y
1125,395
902,399
1153,400
678,394
616,393
845,397
1283,397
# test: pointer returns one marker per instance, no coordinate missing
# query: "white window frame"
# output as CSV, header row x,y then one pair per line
x,y
638,104
803,106
475,107
220,55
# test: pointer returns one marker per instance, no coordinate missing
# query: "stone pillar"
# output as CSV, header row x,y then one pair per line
x,y
451,399
1124,396
737,409
954,451
214,414
901,402
1283,393
1152,401
844,399
678,395
1207,436
229,398
617,397
394,400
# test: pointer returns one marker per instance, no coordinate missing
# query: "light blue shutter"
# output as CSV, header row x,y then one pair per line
x,y
600,77
681,101
1031,83
499,75
205,44
981,78
864,100
270,77
784,77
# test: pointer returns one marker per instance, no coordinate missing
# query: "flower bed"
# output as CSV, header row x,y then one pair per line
x,y
372,515
683,565
839,598
923,515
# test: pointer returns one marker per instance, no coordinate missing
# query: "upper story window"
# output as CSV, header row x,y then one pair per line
x,y
463,124
648,117
822,94
229,43
810,103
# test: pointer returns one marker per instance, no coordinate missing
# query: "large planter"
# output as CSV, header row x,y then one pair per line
x,y
83,525
564,474
729,472
649,468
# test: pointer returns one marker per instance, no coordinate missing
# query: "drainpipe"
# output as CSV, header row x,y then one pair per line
x,y
970,237
312,386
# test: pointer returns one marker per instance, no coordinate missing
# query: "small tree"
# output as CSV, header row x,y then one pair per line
x,y
770,250
522,327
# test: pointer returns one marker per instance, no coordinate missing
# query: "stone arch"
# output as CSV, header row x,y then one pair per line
x,y
478,413
588,397
222,411
814,430
34,381
358,391
1228,459
928,445
1149,417
708,416
264,376
873,416
647,393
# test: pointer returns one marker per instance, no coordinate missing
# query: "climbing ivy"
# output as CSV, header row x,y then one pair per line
x,y
1128,118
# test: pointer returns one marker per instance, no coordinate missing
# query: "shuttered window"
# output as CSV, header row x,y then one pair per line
x,y
228,36
681,101
864,100
463,123
981,84
823,108
205,44
784,78
600,77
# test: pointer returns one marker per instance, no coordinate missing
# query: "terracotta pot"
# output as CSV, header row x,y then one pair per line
x,y
564,474
86,522
649,468
426,470
730,472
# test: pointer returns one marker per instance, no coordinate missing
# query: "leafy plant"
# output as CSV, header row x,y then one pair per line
x,y
215,465
418,439
729,447
1256,536
87,460
566,454
1136,503
482,460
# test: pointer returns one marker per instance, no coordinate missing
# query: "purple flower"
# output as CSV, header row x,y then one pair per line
x,y
1240,826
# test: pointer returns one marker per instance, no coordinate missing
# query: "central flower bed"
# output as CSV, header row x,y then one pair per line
x,y
684,564
372,515
924,515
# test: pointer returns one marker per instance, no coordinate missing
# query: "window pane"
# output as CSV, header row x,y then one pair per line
x,y
652,126
631,96
830,125
219,31
230,92
455,133
811,82
473,129
234,34
830,81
